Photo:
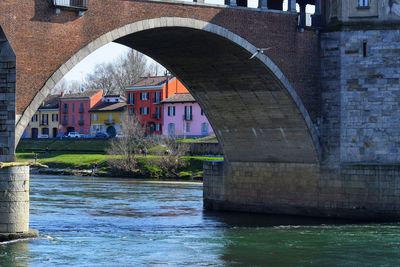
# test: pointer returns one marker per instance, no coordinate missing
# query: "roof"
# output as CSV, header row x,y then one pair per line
x,y
151,82
51,102
179,98
84,94
108,106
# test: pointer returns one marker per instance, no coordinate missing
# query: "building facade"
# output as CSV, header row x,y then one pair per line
x,y
184,118
45,122
108,115
74,111
144,100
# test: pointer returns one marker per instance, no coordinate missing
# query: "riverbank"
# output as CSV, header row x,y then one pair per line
x,y
96,164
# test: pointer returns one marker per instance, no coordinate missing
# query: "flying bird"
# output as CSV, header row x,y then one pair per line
x,y
260,50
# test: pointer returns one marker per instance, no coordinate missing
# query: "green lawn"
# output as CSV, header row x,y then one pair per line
x,y
84,161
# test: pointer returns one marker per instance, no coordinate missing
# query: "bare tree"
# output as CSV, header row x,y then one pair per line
x,y
102,77
170,156
114,77
67,87
123,151
155,69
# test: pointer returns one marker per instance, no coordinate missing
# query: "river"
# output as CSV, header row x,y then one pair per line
x,y
116,222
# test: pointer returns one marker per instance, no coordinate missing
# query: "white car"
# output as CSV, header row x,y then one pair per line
x,y
74,135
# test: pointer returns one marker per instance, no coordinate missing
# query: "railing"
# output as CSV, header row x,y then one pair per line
x,y
188,117
157,116
107,122
156,100
72,4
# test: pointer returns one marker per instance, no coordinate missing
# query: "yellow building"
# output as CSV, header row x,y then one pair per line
x,y
108,115
45,122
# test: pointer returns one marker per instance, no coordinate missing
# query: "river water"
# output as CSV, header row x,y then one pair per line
x,y
115,222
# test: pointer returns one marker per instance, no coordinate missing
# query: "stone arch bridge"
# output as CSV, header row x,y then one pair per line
x,y
268,112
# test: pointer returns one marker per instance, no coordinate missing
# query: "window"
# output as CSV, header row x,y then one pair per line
x,y
45,119
94,117
144,96
65,108
144,110
34,118
202,112
110,117
188,113
365,49
81,109
187,127
363,3
73,119
131,99
81,117
54,117
73,107
204,128
158,127
131,111
157,97
171,111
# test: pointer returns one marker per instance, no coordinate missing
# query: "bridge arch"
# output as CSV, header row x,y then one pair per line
x,y
251,104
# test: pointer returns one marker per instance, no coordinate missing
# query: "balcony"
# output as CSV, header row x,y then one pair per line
x,y
157,116
80,5
156,100
81,122
187,117
109,122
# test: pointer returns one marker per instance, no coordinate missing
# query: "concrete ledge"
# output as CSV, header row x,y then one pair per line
x,y
32,233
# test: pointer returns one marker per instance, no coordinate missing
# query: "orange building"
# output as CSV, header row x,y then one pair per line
x,y
144,99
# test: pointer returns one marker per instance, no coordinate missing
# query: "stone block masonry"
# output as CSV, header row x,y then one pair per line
x,y
14,203
361,192
7,100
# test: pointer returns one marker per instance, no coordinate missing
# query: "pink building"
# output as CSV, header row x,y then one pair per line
x,y
183,117
74,111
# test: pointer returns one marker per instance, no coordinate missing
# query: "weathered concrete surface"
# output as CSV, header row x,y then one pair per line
x,y
18,236
14,200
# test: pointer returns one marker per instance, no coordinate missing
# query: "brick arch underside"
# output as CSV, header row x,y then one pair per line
x,y
254,116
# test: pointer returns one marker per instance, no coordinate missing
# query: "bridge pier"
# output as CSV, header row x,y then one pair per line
x,y
14,181
357,192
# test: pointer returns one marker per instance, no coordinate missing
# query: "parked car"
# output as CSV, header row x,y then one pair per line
x,y
74,135
119,135
101,135
43,136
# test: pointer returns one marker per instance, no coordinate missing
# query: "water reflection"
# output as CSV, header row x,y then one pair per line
x,y
14,254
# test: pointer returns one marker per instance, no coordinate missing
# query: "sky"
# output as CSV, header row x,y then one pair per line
x,y
112,51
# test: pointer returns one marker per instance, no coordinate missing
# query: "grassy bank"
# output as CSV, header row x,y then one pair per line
x,y
91,146
85,161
